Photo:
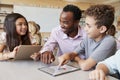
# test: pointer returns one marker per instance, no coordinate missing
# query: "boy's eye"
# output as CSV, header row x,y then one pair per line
x,y
88,25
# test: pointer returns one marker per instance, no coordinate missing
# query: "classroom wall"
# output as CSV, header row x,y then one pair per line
x,y
47,18
46,3
44,12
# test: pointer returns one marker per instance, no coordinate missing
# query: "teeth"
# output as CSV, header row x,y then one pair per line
x,y
23,31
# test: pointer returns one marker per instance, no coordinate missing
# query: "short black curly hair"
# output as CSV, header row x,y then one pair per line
x,y
74,9
103,14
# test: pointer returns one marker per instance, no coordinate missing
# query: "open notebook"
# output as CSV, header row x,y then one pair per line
x,y
54,71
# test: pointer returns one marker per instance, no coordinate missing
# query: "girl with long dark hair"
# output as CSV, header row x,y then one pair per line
x,y
16,33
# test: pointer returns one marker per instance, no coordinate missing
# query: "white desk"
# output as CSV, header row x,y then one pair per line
x,y
28,70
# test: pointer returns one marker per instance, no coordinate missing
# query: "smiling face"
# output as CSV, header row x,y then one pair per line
x,y
21,26
67,22
91,28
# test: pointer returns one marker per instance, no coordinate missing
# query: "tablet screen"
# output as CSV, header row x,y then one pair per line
x,y
54,71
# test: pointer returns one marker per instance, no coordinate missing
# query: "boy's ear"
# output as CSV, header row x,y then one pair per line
x,y
103,29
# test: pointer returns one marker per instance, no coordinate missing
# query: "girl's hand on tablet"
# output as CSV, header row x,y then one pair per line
x,y
35,56
13,53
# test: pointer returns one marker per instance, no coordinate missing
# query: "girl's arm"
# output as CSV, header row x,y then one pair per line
x,y
2,47
6,56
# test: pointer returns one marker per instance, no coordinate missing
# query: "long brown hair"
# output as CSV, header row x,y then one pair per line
x,y
12,38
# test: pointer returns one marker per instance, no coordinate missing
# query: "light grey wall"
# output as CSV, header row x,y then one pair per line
x,y
47,18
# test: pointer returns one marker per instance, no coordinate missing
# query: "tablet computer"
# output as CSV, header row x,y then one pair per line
x,y
25,51
54,71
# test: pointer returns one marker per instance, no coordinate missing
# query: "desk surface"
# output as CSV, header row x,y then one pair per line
x,y
28,70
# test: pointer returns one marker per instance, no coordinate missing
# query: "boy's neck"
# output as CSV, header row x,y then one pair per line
x,y
100,37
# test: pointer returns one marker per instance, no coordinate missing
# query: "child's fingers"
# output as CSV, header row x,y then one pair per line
x,y
32,56
62,61
16,48
35,56
102,75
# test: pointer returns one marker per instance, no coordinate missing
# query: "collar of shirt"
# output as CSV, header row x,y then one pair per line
x,y
80,33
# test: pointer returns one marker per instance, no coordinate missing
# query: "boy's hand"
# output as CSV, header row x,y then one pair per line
x,y
47,57
35,56
97,75
64,59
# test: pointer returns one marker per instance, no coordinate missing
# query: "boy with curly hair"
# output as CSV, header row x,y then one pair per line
x,y
97,46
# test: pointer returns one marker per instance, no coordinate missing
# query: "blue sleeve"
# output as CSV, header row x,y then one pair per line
x,y
111,62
